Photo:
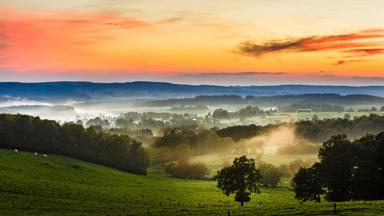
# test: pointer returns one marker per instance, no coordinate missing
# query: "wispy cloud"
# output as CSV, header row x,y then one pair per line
x,y
366,51
313,43
360,44
107,19
171,20
342,62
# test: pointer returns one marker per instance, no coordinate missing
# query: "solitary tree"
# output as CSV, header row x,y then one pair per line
x,y
241,178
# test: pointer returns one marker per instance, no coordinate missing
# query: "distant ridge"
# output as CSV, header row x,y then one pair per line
x,y
67,90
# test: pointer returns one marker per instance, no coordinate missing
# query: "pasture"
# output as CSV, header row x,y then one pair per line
x,y
54,185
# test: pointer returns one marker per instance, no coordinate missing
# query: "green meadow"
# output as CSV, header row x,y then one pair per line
x,y
55,185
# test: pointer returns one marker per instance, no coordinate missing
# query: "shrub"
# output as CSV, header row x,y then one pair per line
x,y
186,170
271,175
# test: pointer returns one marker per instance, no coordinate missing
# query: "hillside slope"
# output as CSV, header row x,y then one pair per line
x,y
54,185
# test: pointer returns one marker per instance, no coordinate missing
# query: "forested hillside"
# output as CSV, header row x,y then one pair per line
x,y
29,133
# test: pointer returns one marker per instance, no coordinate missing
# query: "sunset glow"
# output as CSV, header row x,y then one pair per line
x,y
306,41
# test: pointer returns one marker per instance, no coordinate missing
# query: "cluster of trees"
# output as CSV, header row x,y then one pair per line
x,y
200,141
102,123
241,131
348,170
271,175
144,126
319,131
163,155
243,177
314,131
33,134
133,122
187,170
248,111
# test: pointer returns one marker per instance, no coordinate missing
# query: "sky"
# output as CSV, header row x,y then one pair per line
x,y
244,42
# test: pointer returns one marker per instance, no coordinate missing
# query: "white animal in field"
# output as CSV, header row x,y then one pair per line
x,y
16,150
35,153
45,155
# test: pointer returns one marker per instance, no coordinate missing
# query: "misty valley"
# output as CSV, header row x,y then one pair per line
x,y
187,155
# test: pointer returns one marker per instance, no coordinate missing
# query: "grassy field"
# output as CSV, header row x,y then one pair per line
x,y
55,185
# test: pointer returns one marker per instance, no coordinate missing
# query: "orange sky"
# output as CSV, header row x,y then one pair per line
x,y
176,39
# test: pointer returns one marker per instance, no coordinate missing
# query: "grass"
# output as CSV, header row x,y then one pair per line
x,y
55,185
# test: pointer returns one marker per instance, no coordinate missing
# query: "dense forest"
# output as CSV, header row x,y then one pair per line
x,y
348,170
33,134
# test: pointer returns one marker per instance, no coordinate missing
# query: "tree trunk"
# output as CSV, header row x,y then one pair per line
x,y
334,208
242,203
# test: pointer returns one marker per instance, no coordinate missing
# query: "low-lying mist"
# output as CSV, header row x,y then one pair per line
x,y
280,147
280,141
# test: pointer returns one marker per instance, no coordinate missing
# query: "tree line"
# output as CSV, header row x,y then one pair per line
x,y
347,170
200,141
248,111
29,133
315,130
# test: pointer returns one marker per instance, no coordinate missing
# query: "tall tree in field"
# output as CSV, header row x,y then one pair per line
x,y
307,184
337,164
241,178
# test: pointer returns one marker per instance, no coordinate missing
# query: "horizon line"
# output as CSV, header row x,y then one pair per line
x,y
189,84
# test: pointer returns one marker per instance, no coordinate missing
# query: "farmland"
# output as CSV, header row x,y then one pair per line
x,y
54,185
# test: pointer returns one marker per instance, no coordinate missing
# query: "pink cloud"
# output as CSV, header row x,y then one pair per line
x,y
43,40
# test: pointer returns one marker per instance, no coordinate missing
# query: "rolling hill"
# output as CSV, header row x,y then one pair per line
x,y
83,91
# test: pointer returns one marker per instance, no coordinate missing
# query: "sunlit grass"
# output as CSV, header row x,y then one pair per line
x,y
54,185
